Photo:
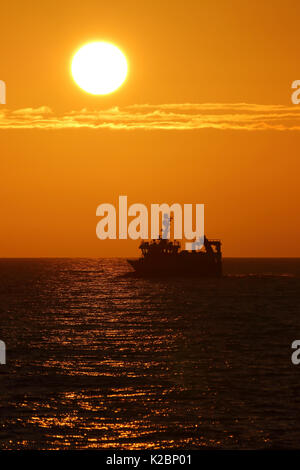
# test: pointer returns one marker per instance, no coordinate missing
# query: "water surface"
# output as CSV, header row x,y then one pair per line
x,y
96,359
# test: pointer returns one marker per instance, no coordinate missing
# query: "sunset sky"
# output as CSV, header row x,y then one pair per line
x,y
204,116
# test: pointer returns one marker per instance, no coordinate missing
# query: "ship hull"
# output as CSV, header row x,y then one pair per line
x,y
191,265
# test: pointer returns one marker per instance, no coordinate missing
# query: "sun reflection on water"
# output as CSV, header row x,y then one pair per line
x,y
104,361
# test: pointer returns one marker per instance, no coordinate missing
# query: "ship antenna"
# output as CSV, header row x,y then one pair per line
x,y
167,224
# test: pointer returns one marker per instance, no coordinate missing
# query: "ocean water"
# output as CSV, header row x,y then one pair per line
x,y
97,359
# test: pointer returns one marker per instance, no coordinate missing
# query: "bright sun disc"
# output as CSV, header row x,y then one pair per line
x,y
99,68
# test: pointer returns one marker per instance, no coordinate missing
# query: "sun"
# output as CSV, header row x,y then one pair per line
x,y
99,68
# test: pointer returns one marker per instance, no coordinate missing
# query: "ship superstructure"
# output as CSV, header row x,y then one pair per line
x,y
163,257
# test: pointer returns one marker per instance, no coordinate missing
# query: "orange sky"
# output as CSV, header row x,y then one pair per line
x,y
58,163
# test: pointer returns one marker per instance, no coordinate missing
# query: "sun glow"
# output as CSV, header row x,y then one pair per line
x,y
99,68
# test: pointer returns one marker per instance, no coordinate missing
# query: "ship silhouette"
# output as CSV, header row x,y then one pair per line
x,y
162,257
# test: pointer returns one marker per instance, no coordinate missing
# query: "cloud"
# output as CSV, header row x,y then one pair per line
x,y
185,116
32,111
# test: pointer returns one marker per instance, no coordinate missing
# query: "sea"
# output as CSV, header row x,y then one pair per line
x,y
99,359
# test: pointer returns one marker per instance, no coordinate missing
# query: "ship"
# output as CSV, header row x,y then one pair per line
x,y
165,258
